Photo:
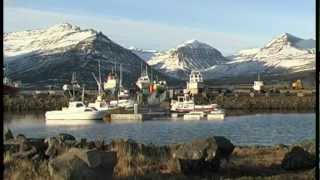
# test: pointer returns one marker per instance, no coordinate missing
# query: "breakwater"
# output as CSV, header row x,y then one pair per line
x,y
265,102
52,102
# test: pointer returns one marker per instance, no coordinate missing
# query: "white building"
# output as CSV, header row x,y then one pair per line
x,y
258,85
195,84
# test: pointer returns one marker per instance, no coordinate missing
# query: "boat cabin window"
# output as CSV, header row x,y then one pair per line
x,y
88,110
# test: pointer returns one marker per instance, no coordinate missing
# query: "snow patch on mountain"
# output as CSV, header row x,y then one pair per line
x,y
56,38
146,55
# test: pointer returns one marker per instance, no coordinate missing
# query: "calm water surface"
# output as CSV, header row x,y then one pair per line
x,y
262,129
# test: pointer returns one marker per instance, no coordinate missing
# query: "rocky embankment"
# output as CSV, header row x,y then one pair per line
x,y
65,157
50,102
19,103
280,102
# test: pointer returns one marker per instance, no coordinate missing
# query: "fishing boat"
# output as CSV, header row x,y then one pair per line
x,y
216,114
194,115
123,96
99,103
73,88
143,81
76,110
112,82
185,104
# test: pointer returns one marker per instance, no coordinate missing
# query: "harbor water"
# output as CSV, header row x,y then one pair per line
x,y
253,129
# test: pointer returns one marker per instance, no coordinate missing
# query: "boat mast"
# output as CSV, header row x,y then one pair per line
x,y
146,70
99,85
82,97
73,82
120,83
141,69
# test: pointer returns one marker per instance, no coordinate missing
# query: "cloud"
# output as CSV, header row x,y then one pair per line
x,y
127,32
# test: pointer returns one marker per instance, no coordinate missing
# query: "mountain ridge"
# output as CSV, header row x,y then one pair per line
x,y
50,55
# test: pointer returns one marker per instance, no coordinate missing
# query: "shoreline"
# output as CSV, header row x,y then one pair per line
x,y
214,157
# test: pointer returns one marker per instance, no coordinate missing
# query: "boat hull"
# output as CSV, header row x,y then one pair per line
x,y
60,115
10,89
192,117
218,116
202,109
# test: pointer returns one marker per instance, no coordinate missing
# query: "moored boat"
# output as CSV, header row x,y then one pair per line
x,y
216,114
194,115
185,104
76,110
143,81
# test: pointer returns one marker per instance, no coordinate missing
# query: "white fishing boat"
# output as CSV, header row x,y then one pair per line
x,y
186,104
194,115
216,114
143,81
111,83
123,96
99,103
76,110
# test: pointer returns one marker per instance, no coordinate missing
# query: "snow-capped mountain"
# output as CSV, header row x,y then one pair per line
x,y
284,54
191,55
49,56
146,55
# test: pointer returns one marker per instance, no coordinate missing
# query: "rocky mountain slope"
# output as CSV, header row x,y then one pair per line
x,y
49,56
283,55
191,55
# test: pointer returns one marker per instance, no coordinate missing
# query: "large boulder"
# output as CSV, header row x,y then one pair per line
x,y
54,147
59,144
66,137
216,147
298,159
32,148
95,158
202,155
68,166
83,164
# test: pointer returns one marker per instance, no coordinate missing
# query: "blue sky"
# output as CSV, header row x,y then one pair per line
x,y
227,25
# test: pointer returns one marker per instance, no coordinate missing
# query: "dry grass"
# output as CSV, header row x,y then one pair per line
x,y
24,169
